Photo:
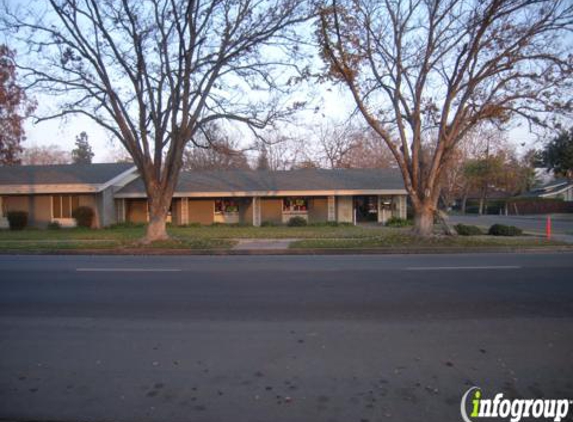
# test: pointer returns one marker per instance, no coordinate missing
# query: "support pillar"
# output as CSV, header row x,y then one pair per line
x,y
331,208
184,212
256,211
403,204
121,211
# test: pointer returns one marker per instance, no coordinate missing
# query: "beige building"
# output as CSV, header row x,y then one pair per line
x,y
116,194
50,193
259,197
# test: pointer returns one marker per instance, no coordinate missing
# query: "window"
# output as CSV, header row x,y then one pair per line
x,y
295,204
63,205
226,205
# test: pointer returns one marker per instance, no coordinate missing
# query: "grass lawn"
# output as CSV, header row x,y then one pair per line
x,y
224,237
203,237
116,238
406,240
186,233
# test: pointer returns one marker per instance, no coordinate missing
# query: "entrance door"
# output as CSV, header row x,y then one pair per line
x,y
366,208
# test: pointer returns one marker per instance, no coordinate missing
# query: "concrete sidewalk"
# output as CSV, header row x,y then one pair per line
x,y
262,244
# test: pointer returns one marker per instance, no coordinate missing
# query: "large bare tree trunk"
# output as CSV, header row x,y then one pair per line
x,y
159,203
156,229
153,73
423,220
482,51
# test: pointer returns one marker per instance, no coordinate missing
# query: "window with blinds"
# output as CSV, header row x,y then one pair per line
x,y
63,205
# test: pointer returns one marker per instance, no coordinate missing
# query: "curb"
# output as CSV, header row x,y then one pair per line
x,y
294,251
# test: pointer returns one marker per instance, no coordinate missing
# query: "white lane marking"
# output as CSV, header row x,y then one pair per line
x,y
140,270
489,267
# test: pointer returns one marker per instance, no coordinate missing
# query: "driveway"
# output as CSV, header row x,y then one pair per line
x,y
279,338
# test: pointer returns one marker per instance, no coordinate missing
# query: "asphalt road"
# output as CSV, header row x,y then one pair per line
x,y
280,338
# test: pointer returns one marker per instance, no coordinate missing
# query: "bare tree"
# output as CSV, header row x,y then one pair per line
x,y
156,72
280,152
218,152
45,155
117,154
15,107
335,142
368,151
482,141
347,145
423,73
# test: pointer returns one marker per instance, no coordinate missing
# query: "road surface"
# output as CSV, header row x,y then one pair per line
x,y
280,338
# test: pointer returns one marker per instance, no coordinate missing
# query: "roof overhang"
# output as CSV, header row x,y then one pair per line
x,y
342,192
25,189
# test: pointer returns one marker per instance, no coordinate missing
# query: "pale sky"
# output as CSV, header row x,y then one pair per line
x,y
334,104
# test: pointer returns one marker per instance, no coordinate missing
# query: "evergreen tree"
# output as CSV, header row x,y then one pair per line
x,y
558,154
263,159
82,153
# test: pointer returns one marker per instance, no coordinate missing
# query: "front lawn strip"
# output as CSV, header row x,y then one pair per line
x,y
222,238
406,240
102,244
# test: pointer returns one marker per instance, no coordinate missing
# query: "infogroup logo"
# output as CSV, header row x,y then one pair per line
x,y
513,409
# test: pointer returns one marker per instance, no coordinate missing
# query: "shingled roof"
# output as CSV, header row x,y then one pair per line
x,y
273,181
91,174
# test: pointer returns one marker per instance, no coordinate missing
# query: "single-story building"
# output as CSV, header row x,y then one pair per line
x,y
116,193
50,193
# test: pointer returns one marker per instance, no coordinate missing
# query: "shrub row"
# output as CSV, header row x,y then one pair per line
x,y
467,230
503,230
297,222
495,230
18,220
398,222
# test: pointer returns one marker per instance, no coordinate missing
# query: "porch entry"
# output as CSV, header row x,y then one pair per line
x,y
366,208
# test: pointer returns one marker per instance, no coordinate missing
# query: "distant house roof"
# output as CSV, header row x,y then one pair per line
x,y
553,185
260,182
549,190
37,179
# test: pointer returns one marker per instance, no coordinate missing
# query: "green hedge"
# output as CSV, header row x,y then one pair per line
x,y
84,216
398,222
54,225
503,230
17,220
467,230
297,222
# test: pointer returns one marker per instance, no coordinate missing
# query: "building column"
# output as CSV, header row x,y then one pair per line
x,y
121,212
184,212
331,208
256,211
385,210
403,205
